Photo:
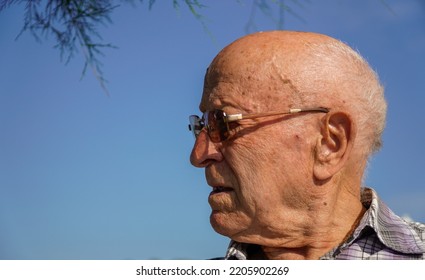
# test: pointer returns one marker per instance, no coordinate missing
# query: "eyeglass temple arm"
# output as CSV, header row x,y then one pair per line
x,y
235,117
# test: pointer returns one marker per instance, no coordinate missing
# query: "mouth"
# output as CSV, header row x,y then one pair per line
x,y
221,199
220,189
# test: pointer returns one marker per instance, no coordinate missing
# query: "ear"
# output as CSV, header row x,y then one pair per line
x,y
334,147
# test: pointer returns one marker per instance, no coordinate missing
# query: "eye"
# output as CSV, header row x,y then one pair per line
x,y
234,128
233,125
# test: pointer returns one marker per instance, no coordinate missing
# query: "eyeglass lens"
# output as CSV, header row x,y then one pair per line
x,y
195,125
214,122
217,127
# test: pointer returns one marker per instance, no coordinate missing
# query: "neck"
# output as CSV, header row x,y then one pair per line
x,y
325,231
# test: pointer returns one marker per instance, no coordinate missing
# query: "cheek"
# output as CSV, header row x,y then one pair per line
x,y
256,169
272,169
292,164
272,157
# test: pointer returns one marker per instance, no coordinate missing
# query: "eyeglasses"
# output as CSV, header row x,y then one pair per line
x,y
217,122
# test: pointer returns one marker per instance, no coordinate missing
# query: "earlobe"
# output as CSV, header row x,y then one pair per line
x,y
334,146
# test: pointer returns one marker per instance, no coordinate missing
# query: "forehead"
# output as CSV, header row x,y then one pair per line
x,y
258,72
237,82
227,91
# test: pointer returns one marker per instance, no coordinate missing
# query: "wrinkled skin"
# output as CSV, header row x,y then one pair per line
x,y
281,174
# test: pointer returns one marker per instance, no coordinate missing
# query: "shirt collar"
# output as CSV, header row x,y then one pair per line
x,y
392,230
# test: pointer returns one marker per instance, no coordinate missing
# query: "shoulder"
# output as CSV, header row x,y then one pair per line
x,y
419,228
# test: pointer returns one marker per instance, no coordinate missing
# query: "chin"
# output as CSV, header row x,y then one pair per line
x,y
226,223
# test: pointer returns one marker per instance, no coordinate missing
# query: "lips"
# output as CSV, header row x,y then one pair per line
x,y
221,189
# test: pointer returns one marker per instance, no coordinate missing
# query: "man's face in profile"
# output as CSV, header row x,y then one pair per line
x,y
256,173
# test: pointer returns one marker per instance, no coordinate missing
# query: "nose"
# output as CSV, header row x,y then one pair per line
x,y
204,151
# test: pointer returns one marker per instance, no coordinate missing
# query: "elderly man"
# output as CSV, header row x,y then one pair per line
x,y
289,122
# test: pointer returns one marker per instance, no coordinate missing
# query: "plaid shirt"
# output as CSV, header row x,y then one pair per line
x,y
380,235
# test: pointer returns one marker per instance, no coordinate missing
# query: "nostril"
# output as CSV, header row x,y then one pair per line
x,y
204,151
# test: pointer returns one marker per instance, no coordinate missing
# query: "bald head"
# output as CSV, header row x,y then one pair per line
x,y
304,69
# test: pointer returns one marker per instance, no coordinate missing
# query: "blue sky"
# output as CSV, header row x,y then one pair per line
x,y
87,176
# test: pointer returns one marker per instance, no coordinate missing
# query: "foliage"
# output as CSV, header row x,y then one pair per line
x,y
74,26
74,23
266,9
